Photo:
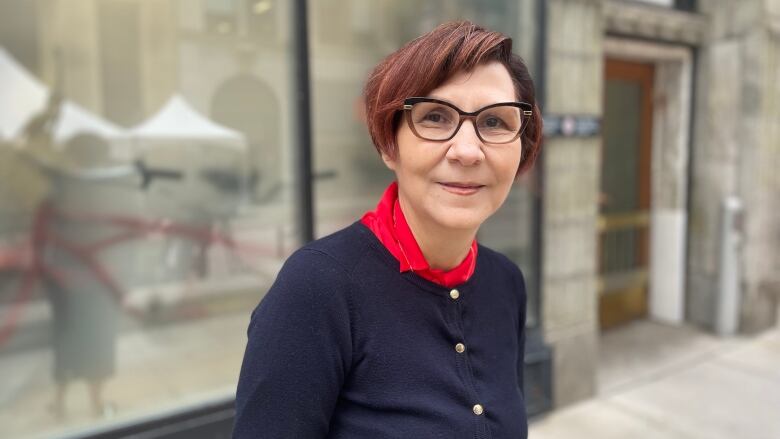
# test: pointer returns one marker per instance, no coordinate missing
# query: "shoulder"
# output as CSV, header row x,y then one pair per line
x,y
501,267
322,267
344,248
500,262
312,286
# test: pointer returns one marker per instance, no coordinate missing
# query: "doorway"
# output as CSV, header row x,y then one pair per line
x,y
624,203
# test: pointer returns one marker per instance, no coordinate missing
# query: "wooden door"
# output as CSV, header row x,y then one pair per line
x,y
625,192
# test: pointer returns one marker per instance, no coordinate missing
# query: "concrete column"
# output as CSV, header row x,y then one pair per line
x,y
572,169
737,152
159,53
71,29
671,122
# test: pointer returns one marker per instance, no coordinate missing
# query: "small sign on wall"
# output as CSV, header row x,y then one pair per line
x,y
571,125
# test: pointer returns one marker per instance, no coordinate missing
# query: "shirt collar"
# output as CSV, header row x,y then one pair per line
x,y
389,225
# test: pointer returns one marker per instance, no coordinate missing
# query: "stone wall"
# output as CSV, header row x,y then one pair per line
x,y
572,169
737,152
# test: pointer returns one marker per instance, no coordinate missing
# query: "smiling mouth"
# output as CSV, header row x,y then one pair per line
x,y
456,184
462,188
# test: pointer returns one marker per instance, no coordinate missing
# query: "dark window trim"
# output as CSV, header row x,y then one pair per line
x,y
304,149
538,355
210,419
538,202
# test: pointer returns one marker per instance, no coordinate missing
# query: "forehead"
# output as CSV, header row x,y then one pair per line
x,y
485,85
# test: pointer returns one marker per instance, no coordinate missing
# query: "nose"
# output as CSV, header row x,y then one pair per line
x,y
466,147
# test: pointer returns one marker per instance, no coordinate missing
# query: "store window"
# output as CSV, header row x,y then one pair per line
x,y
148,164
146,153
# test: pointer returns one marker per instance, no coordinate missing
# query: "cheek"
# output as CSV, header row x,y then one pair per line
x,y
404,153
416,158
506,164
505,169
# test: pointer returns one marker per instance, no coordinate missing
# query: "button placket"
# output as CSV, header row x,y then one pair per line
x,y
460,348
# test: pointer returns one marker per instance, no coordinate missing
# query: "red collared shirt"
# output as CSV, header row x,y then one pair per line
x,y
390,227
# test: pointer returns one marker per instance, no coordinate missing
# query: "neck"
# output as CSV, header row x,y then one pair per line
x,y
443,248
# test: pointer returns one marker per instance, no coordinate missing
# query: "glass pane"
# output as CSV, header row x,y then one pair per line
x,y
621,245
620,176
348,38
146,203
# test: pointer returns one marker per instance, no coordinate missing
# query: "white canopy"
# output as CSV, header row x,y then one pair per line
x,y
178,120
23,96
75,120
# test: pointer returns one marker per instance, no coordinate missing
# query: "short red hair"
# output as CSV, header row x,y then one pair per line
x,y
428,61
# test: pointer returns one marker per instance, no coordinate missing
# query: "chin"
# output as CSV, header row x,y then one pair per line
x,y
459,218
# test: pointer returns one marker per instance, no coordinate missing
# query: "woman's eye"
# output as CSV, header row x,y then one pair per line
x,y
493,122
434,117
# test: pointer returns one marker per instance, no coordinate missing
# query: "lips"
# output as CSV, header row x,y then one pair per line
x,y
461,185
461,188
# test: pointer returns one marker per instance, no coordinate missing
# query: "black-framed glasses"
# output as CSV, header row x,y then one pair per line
x,y
439,121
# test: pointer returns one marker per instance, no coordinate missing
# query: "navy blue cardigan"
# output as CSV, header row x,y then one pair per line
x,y
345,346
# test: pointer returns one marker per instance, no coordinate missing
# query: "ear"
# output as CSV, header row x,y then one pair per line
x,y
390,161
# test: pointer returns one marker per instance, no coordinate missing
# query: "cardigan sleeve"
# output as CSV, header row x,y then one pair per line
x,y
298,351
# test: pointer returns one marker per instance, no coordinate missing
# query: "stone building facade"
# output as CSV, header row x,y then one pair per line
x,y
715,133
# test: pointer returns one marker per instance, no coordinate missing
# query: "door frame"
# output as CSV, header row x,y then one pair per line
x,y
673,90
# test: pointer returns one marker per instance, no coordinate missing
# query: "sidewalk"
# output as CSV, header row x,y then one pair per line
x,y
659,381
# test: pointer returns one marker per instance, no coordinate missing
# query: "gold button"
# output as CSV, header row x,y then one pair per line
x,y
454,294
460,348
478,410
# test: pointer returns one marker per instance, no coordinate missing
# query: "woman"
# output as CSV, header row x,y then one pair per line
x,y
401,325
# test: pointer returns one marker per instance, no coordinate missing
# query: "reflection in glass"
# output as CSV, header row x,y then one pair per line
x,y
146,204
